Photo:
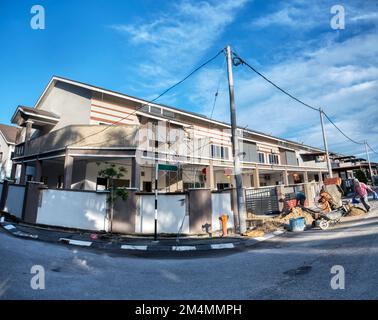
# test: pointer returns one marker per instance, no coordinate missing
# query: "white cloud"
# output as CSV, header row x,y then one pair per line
x,y
294,14
178,39
338,74
341,78
363,17
300,15
284,17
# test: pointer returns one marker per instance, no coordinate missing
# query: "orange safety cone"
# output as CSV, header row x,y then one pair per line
x,y
224,220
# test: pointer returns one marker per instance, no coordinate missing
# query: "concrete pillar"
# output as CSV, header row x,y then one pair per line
x,y
125,212
68,168
281,197
23,173
38,171
320,176
210,176
31,201
309,194
305,177
13,172
200,210
29,126
285,178
256,178
135,174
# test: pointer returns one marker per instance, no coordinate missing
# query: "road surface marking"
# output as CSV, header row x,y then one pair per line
x,y
77,242
266,237
9,227
131,247
222,246
183,248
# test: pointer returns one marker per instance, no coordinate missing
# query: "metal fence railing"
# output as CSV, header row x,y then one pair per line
x,y
262,200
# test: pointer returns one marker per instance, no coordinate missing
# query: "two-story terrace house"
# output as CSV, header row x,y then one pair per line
x,y
75,129
8,135
346,168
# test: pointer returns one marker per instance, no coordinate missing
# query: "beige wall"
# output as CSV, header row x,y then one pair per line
x,y
6,162
73,136
69,102
110,112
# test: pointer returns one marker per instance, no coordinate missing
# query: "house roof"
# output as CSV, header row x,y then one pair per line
x,y
38,112
9,133
38,116
87,86
356,166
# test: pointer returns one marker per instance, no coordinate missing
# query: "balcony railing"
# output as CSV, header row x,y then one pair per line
x,y
86,136
18,150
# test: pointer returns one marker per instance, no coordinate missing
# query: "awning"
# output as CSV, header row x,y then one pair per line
x,y
39,118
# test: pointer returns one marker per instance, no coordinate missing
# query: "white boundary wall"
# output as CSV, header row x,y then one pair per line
x,y
15,200
221,204
171,214
74,209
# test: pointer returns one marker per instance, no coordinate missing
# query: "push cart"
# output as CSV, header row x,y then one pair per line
x,y
324,220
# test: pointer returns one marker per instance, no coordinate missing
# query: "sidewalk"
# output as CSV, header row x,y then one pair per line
x,y
104,241
135,243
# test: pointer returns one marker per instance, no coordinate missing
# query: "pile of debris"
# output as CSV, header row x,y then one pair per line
x,y
264,225
295,213
354,211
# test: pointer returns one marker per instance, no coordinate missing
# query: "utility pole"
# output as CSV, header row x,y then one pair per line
x,y
156,156
368,159
242,213
156,196
325,144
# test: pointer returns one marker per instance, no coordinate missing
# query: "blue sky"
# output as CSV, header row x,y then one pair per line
x,y
142,47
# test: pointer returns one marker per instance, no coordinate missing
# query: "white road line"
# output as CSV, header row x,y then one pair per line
x,y
9,227
222,246
266,237
26,235
269,235
77,242
131,247
183,248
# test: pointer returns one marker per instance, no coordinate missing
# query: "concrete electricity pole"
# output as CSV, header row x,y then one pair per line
x,y
368,159
242,213
325,144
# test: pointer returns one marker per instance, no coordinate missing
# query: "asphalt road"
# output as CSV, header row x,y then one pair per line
x,y
293,266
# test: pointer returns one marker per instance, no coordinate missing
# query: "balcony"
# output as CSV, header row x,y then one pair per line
x,y
18,150
84,136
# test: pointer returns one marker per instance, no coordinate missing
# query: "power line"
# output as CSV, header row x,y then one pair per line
x,y
342,132
294,98
151,101
217,92
371,148
273,84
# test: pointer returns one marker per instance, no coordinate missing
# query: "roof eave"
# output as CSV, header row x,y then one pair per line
x,y
173,109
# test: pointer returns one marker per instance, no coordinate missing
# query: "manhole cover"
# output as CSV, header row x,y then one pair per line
x,y
298,271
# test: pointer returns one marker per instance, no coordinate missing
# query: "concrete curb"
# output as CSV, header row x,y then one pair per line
x,y
103,245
